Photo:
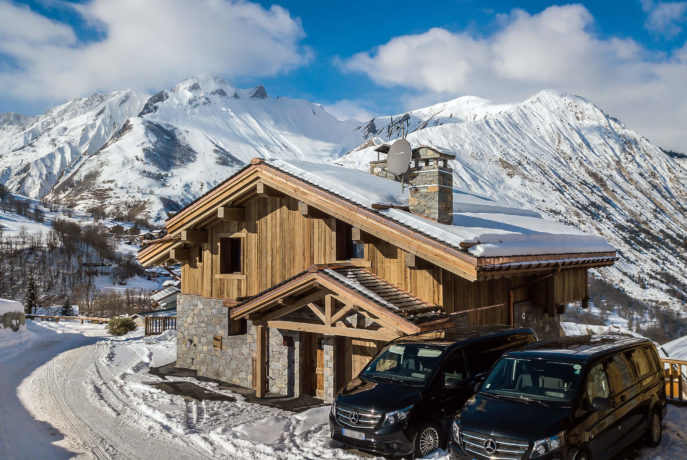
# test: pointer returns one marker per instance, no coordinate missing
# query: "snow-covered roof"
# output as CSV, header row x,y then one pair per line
x,y
677,349
495,229
169,291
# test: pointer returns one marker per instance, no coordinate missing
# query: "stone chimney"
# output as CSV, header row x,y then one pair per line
x,y
429,179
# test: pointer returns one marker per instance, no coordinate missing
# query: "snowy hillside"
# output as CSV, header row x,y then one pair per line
x,y
37,152
561,155
188,138
557,154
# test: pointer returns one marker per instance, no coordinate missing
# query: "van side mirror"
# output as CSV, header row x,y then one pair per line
x,y
601,404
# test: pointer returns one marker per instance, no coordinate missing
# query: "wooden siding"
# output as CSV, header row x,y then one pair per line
x,y
280,242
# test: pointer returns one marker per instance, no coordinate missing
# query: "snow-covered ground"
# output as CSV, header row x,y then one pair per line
x,y
81,393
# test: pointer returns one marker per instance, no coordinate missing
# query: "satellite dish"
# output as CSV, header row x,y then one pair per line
x,y
398,159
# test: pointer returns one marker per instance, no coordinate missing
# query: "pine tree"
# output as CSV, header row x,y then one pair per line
x,y
67,309
31,300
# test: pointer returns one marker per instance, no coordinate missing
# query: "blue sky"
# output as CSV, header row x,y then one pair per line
x,y
358,58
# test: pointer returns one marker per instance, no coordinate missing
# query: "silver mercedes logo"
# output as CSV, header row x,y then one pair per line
x,y
490,446
355,417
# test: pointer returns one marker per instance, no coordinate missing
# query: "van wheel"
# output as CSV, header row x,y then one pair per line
x,y
655,430
427,439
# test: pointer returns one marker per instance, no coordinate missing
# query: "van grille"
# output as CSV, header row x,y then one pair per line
x,y
504,448
357,418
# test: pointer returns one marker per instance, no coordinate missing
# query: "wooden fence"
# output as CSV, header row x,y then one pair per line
x,y
58,318
159,324
675,372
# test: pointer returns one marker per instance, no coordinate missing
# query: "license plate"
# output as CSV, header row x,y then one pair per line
x,y
353,434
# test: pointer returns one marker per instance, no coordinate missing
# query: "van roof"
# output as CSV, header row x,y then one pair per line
x,y
451,336
578,348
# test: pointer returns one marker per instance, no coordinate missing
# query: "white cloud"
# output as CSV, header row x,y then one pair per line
x,y
556,48
665,17
348,110
147,44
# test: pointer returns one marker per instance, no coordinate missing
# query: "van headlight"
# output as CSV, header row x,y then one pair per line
x,y
547,445
455,431
397,416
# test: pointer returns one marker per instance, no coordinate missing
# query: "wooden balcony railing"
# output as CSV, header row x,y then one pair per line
x,y
675,372
158,324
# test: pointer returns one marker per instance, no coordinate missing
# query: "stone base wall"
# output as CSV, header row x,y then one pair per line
x,y
199,319
329,367
283,369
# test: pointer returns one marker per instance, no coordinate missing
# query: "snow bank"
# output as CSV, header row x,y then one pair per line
x,y
8,306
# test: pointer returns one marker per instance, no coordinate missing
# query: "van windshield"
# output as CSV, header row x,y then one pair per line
x,y
404,363
533,379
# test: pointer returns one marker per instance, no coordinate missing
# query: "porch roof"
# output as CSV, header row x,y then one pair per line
x,y
353,286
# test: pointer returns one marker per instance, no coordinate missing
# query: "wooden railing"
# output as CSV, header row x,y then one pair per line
x,y
159,324
675,372
57,319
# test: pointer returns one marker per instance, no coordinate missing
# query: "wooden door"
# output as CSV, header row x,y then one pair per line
x,y
313,364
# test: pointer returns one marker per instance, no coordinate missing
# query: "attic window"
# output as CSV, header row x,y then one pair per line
x,y
230,256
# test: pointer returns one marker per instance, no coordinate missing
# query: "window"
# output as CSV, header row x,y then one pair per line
x,y
641,361
230,256
346,248
619,374
597,383
238,326
409,363
454,367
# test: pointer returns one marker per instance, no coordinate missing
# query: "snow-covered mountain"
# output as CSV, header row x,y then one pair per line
x,y
559,154
563,156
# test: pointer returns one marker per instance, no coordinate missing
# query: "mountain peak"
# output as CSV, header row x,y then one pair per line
x,y
258,92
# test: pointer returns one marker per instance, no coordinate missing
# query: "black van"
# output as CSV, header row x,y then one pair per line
x,y
573,398
403,401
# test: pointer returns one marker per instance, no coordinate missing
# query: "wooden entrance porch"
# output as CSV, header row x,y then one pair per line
x,y
357,309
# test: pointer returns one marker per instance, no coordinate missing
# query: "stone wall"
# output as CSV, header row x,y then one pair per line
x,y
199,319
12,321
283,369
329,367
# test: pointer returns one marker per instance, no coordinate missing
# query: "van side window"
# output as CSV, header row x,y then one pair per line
x,y
619,374
641,361
454,367
652,356
597,383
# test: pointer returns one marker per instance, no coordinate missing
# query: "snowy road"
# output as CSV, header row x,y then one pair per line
x,y
52,414
69,391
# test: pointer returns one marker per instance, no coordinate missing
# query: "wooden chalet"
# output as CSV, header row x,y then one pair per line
x,y
294,273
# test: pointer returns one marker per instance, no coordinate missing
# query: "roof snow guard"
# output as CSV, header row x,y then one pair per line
x,y
486,238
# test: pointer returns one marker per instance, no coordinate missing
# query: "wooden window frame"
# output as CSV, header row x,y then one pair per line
x,y
238,275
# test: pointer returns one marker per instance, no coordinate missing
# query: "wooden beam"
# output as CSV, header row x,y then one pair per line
x,y
333,330
319,313
360,236
265,191
411,261
228,213
341,313
261,361
180,254
291,306
328,308
308,211
194,236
